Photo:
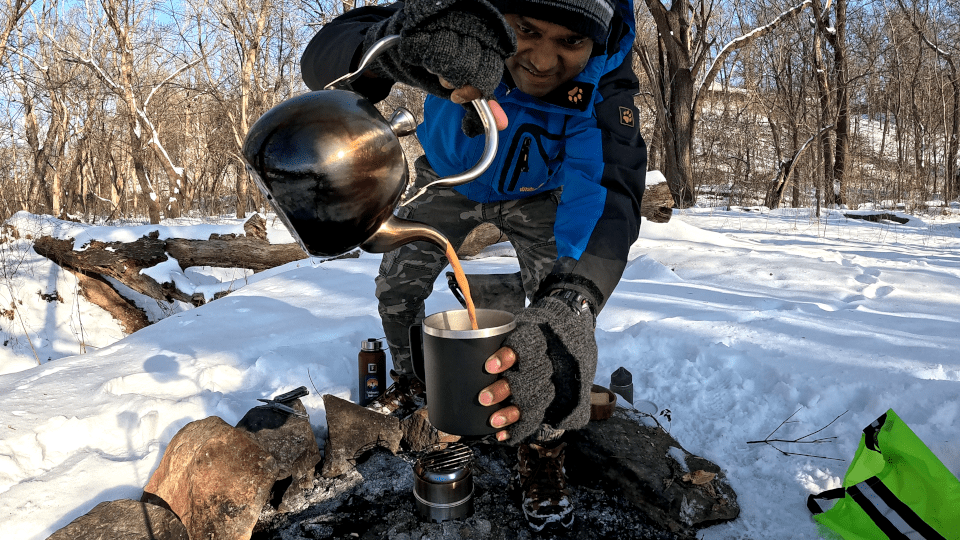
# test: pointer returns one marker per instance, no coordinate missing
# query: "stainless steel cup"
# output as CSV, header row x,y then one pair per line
x,y
451,366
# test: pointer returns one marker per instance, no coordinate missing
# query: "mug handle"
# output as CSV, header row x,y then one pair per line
x,y
416,351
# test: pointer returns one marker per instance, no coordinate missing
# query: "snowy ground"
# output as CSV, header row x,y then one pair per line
x,y
733,320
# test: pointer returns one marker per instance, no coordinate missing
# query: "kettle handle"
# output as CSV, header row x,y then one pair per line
x,y
373,52
480,104
486,159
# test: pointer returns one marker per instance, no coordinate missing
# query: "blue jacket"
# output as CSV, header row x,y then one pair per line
x,y
590,145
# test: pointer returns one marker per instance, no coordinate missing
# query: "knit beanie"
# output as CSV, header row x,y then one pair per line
x,y
590,18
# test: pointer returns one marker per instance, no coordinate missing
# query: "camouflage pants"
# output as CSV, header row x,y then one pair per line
x,y
407,274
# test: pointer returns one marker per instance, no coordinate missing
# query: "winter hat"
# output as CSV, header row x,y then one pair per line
x,y
588,17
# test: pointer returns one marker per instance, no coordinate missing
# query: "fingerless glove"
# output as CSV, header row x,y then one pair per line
x,y
463,41
556,362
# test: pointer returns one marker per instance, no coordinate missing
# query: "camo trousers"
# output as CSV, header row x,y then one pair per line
x,y
407,274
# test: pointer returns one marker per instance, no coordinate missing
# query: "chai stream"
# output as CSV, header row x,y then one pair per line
x,y
464,286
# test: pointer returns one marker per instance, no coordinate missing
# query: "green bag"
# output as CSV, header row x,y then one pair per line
x,y
895,488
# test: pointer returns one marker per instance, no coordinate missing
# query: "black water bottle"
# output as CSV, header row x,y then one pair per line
x,y
621,383
372,365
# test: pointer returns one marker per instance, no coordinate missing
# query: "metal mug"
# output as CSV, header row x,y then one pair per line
x,y
449,357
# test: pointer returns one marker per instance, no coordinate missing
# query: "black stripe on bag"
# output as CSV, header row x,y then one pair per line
x,y
872,432
874,514
828,495
905,512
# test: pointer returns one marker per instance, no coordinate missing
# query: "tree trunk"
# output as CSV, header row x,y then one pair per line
x,y
826,110
843,100
785,172
248,25
676,78
679,161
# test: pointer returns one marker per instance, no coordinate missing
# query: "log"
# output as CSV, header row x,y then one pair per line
x,y
124,261
657,203
878,218
241,252
100,293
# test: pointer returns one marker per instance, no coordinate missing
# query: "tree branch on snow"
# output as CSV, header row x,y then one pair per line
x,y
799,440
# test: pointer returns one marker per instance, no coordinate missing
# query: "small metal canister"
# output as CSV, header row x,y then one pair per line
x,y
443,482
621,383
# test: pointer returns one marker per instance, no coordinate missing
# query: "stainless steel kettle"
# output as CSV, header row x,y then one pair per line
x,y
334,170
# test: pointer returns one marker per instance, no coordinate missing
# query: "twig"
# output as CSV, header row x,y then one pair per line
x,y
313,384
8,275
666,413
800,440
82,341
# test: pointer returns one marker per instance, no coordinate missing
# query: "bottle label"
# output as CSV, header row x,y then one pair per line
x,y
371,368
372,387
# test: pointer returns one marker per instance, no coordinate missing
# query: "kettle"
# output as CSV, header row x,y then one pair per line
x,y
333,168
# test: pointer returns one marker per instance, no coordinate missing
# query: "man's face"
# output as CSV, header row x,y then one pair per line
x,y
548,55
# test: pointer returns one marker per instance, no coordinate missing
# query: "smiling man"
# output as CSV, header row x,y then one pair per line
x,y
565,188
547,56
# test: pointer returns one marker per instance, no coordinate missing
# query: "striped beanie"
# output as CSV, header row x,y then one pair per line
x,y
590,18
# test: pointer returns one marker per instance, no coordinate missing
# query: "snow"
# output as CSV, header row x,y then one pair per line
x,y
733,320
654,178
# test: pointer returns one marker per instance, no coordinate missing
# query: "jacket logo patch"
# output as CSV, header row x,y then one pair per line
x,y
575,94
626,117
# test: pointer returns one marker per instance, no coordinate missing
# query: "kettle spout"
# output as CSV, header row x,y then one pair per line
x,y
395,232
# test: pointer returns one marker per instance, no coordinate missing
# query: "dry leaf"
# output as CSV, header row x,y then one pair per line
x,y
699,477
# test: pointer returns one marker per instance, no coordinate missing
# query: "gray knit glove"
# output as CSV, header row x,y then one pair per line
x,y
463,41
556,362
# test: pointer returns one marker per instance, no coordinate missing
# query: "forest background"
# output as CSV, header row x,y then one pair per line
x,y
137,109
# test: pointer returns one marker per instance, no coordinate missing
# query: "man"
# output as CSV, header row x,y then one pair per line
x,y
565,188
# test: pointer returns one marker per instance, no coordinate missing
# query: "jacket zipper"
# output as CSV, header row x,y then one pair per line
x,y
523,164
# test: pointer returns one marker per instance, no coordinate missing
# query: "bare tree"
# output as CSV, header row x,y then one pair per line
x,y
13,12
833,103
952,176
123,19
248,24
684,50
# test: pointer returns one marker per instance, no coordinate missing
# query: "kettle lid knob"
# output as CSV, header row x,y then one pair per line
x,y
402,122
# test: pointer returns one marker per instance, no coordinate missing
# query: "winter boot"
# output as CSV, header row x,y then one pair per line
x,y
542,482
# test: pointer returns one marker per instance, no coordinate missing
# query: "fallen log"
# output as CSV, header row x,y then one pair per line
x,y
125,262
101,293
878,218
